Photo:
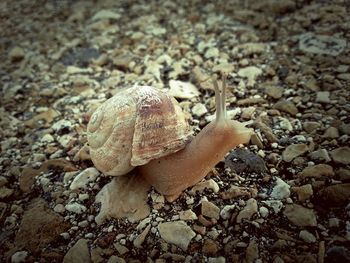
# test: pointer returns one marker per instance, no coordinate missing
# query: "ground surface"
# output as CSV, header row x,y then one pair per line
x,y
282,198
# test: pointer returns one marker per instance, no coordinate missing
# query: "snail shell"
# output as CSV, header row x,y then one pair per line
x,y
133,127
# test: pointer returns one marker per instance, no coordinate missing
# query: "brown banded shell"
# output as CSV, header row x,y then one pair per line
x,y
133,127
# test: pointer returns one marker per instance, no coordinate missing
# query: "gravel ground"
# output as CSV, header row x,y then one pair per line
x,y
284,197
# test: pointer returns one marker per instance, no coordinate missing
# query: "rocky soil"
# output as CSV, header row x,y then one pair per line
x,y
282,198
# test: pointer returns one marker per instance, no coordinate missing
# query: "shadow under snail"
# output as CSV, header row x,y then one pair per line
x,y
145,128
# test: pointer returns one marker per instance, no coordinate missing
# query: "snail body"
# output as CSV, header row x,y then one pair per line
x,y
146,128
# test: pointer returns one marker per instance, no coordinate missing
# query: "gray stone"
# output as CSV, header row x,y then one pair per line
x,y
300,215
79,253
252,252
321,44
276,205
293,151
274,91
323,97
5,192
307,236
310,126
320,155
281,190
286,106
177,233
341,155
75,208
19,256
331,133
248,211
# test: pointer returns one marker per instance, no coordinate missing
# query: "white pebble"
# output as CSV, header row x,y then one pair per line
x,y
263,211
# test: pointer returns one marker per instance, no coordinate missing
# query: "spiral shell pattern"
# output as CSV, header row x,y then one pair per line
x,y
133,127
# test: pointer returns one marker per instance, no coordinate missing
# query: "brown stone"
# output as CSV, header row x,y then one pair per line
x,y
209,247
335,195
304,192
236,191
47,116
28,174
286,106
317,171
293,151
39,227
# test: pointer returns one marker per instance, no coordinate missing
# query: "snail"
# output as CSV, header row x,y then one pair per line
x,y
145,128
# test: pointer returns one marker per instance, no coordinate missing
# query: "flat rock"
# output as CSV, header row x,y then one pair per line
x,y
300,215
19,257
177,233
199,110
251,73
344,174
320,155
307,236
286,106
323,97
28,174
273,91
321,44
124,196
241,160
79,253
317,171
335,195
47,116
293,151
105,14
248,211
210,247
182,90
345,128
138,241
303,192
210,210
5,192
252,252
341,155
248,49
281,190
39,227
187,215
310,126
